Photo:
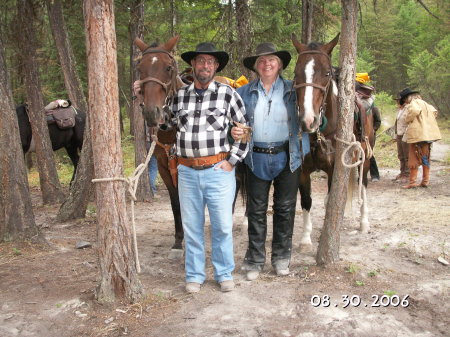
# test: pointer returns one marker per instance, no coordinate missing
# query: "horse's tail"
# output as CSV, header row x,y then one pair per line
x,y
350,190
241,179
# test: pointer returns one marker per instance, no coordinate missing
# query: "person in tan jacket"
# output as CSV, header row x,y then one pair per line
x,y
402,145
421,132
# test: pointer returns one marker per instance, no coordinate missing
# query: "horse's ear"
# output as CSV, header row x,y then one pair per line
x,y
299,46
328,48
140,44
169,45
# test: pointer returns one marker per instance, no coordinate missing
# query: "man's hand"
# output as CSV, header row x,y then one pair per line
x,y
224,165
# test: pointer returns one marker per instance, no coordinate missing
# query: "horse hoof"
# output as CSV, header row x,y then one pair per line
x,y
305,248
364,228
175,254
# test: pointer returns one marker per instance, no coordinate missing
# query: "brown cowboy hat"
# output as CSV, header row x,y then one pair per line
x,y
267,48
406,92
209,49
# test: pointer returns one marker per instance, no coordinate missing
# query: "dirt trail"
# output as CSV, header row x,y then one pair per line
x,y
49,292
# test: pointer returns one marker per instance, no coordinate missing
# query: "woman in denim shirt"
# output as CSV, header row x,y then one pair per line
x,y
274,156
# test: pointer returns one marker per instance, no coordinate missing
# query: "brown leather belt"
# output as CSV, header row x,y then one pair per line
x,y
201,163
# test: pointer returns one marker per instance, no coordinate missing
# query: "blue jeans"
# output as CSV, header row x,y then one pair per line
x,y
153,172
214,189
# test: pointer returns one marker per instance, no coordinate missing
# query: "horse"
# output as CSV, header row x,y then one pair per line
x,y
159,82
71,139
315,82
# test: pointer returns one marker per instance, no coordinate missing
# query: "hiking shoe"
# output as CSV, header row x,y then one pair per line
x,y
282,272
192,287
282,267
252,275
226,286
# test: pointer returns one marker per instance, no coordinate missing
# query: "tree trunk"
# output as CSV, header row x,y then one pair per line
x,y
119,278
307,20
173,13
76,202
328,251
245,34
16,212
48,176
136,29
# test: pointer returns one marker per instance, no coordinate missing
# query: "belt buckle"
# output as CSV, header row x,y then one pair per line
x,y
271,149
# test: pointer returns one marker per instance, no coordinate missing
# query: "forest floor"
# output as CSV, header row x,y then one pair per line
x,y
392,275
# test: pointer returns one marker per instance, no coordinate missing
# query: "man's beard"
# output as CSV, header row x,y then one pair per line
x,y
204,79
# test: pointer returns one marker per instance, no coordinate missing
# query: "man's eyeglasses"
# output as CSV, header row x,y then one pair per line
x,y
203,61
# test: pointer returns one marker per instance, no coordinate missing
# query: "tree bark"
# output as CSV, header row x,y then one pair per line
x,y
48,176
75,205
245,34
16,212
136,29
307,20
329,244
119,278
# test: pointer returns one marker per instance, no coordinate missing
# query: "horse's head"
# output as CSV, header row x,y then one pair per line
x,y
313,81
158,80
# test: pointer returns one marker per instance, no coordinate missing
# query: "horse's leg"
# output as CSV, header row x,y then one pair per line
x,y
306,202
163,168
72,151
364,222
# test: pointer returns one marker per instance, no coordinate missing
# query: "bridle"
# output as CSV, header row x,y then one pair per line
x,y
324,89
170,86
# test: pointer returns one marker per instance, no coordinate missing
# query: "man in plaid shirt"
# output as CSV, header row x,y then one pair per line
x,y
204,112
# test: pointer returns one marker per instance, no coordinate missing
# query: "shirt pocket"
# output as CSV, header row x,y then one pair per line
x,y
215,119
182,120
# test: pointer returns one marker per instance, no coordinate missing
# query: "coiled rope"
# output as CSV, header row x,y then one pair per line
x,y
132,182
360,153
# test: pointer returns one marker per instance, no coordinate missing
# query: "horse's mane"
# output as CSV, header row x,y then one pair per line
x,y
154,44
314,45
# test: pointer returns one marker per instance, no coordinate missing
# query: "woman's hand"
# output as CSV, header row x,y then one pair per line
x,y
237,133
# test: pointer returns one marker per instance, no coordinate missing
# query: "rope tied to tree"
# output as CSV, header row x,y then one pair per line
x,y
359,151
132,182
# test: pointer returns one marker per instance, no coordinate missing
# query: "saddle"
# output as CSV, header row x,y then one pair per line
x,y
62,113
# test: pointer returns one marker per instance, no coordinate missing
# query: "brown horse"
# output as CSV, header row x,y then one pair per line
x,y
158,82
317,100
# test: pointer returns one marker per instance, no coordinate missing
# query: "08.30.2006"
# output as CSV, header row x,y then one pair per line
x,y
355,301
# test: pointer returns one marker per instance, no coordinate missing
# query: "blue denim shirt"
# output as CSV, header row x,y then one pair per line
x,y
270,114
249,94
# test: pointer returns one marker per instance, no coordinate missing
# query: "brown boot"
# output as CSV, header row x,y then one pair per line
x,y
412,178
425,176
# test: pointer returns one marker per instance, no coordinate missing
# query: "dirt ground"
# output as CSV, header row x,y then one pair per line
x,y
392,276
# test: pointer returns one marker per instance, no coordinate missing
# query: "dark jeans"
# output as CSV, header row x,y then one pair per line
x,y
284,202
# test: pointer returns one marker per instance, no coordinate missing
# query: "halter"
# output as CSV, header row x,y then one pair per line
x,y
324,89
168,87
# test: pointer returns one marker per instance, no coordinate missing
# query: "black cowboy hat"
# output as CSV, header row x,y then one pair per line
x,y
406,92
209,49
267,48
